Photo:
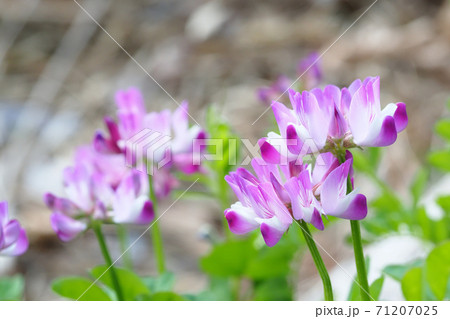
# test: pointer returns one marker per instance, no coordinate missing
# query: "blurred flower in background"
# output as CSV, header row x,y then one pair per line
x,y
13,238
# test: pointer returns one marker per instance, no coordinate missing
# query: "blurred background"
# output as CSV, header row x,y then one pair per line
x,y
59,72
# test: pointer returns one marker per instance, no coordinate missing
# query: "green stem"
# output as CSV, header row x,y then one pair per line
x,y
224,202
358,247
155,231
123,241
359,259
102,243
327,288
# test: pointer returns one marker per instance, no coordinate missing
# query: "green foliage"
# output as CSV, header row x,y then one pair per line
x,y
130,283
413,285
425,279
218,129
440,159
163,283
277,288
229,259
418,185
79,287
250,259
397,272
390,214
376,286
219,289
101,288
438,270
11,288
442,127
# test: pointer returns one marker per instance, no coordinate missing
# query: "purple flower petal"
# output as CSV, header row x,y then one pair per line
x,y
268,152
241,219
65,227
383,135
400,117
3,213
18,247
316,220
272,230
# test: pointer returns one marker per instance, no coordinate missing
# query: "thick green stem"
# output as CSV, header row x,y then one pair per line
x,y
358,248
327,288
123,241
155,231
102,243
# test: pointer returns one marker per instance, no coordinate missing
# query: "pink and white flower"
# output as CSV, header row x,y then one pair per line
x,y
333,118
280,194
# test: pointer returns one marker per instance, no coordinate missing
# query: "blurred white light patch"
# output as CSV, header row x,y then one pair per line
x,y
206,20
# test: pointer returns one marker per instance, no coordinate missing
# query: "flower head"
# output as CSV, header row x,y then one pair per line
x,y
90,196
13,238
333,119
282,193
133,119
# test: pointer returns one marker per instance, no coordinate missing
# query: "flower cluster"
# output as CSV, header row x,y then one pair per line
x,y
333,119
325,123
100,186
13,239
309,72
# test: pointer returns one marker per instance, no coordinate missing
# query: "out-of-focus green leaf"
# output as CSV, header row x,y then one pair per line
x,y
219,290
273,261
228,143
412,284
278,289
79,287
230,258
397,272
11,288
132,286
375,287
162,283
442,127
438,270
440,159
444,202
418,185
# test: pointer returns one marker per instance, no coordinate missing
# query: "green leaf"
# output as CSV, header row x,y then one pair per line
x,y
229,259
270,262
443,128
418,185
440,159
412,284
277,289
219,290
11,288
132,286
164,282
220,130
444,202
438,270
397,272
375,288
74,287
